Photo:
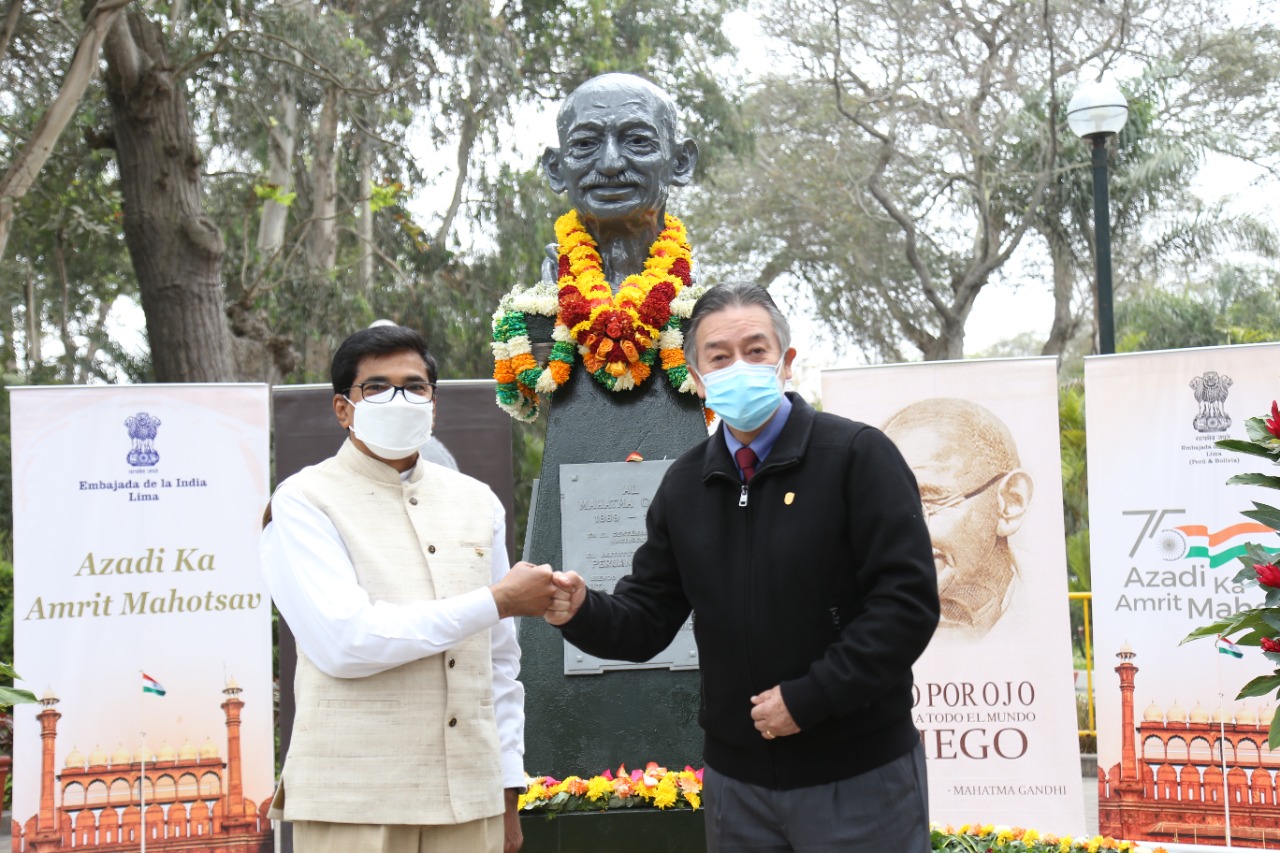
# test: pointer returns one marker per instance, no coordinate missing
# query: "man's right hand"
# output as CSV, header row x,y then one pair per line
x,y
526,590
571,591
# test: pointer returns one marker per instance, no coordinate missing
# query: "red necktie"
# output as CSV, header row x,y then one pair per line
x,y
747,460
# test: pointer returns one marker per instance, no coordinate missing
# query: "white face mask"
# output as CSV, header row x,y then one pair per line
x,y
393,430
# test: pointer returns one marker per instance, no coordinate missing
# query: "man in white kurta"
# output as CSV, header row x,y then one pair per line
x,y
392,574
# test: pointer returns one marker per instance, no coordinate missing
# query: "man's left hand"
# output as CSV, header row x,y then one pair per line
x,y
772,719
513,836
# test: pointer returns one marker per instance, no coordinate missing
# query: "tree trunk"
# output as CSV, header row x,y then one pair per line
x,y
364,221
35,332
322,238
176,250
1065,321
280,146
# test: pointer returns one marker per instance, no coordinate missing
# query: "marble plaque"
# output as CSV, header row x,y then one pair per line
x,y
602,512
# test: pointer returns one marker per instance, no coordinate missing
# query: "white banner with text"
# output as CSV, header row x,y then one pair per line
x,y
140,617
995,703
1179,759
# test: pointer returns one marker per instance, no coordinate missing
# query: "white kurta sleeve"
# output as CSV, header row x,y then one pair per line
x,y
508,692
314,586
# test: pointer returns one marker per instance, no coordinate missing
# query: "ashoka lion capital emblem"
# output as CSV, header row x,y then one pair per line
x,y
1211,389
142,430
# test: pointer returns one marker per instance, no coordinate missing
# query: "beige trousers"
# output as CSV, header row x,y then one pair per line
x,y
477,836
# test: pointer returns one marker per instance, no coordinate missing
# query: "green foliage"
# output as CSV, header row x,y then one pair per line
x,y
1236,305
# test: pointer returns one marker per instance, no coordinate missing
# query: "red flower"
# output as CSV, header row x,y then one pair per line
x,y
1273,422
1270,645
564,267
1268,574
680,269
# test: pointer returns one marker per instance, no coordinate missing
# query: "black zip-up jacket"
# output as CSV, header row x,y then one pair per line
x,y
818,577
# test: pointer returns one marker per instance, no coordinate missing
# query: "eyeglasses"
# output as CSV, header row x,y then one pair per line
x,y
385,392
935,506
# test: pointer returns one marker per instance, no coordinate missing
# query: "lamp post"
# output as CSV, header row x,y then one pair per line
x,y
1096,112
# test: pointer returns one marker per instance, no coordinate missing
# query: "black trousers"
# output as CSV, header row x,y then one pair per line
x,y
883,809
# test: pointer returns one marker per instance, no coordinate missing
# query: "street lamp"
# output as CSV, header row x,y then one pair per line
x,y
1097,111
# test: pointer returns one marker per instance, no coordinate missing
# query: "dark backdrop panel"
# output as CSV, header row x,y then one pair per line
x,y
468,422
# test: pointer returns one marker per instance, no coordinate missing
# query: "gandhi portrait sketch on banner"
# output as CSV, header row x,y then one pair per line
x,y
975,495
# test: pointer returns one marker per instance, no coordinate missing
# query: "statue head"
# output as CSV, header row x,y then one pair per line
x,y
619,154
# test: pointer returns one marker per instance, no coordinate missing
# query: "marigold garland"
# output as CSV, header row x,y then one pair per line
x,y
619,336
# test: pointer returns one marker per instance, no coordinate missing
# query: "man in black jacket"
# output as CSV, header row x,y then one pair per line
x,y
797,539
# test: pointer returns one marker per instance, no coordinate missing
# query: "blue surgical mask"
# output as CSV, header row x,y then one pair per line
x,y
744,395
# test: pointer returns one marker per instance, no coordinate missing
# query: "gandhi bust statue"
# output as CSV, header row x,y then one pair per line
x,y
618,158
619,288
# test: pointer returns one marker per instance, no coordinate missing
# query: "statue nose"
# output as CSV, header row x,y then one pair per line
x,y
611,160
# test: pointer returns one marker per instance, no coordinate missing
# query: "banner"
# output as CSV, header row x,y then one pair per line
x,y
1165,530
141,619
995,703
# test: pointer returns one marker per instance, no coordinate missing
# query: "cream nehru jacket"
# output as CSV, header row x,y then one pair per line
x,y
417,744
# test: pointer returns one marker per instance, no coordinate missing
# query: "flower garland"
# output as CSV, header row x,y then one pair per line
x,y
969,838
654,787
658,787
619,336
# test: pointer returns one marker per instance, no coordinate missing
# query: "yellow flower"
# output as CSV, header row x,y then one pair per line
x,y
1029,836
598,787
693,799
1004,836
665,793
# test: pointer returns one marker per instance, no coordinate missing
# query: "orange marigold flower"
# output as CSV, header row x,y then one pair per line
x,y
576,785
522,362
591,363
639,372
672,358
559,371
502,372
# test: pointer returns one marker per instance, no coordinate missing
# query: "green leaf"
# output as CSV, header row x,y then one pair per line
x,y
1260,686
1211,630
1256,429
1273,739
14,696
1240,446
1255,480
1268,515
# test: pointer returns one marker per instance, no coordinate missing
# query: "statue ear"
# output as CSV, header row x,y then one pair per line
x,y
686,160
551,167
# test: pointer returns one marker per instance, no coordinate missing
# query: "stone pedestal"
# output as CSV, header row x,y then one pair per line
x,y
583,724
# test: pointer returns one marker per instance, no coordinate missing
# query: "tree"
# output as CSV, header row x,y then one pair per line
x,y
1236,305
939,135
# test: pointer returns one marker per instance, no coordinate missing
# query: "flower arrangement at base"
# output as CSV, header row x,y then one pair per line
x,y
652,787
621,337
1259,626
987,838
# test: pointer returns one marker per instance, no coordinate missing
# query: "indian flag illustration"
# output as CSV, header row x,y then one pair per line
x,y
1227,647
150,685
1223,546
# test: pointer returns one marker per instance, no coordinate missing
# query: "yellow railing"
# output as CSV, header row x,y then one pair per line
x,y
1086,599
